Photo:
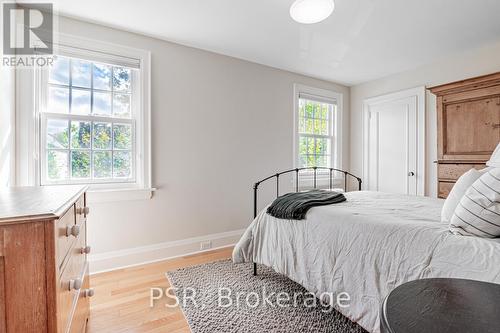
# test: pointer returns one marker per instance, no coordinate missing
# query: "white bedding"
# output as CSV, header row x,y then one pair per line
x,y
366,247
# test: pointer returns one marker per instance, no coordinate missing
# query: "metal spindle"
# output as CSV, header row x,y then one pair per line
x,y
277,185
296,180
345,181
314,177
255,188
331,180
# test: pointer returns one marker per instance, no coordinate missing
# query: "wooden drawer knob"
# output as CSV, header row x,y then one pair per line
x,y
83,210
73,230
85,250
89,292
75,284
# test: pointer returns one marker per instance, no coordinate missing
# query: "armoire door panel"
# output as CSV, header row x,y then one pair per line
x,y
471,127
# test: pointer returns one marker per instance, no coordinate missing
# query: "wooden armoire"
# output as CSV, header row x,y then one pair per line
x,y
468,126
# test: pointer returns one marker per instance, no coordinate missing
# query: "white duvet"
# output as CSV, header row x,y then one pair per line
x,y
366,247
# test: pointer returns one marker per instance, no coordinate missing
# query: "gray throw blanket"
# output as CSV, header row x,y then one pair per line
x,y
295,205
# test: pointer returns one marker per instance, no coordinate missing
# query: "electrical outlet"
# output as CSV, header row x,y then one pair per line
x,y
205,245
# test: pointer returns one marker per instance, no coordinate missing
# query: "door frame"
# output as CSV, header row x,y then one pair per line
x,y
419,94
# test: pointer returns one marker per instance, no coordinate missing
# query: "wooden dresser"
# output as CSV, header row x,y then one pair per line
x,y
468,124
44,283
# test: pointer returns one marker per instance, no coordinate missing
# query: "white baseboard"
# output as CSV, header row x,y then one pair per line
x,y
108,261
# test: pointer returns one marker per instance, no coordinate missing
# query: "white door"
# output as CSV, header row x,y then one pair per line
x,y
394,143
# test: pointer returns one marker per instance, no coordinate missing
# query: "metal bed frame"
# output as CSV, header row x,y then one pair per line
x,y
297,186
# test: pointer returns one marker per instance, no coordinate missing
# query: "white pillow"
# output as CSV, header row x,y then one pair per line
x,y
478,213
457,192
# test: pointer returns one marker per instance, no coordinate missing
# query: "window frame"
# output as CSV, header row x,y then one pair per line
x,y
321,95
44,115
330,119
29,118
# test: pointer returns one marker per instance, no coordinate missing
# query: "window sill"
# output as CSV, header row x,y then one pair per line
x,y
97,196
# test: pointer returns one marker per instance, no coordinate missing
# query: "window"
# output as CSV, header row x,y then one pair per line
x,y
317,128
315,132
87,122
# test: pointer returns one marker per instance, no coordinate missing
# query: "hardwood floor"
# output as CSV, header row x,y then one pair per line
x,y
122,297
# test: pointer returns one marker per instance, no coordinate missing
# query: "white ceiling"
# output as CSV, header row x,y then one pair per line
x,y
361,41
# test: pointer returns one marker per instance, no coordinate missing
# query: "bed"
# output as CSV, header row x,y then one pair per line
x,y
366,247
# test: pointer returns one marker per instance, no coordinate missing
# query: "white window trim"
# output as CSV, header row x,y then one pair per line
x,y
27,120
336,155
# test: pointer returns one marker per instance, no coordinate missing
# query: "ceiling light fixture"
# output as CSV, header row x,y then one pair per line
x,y
311,11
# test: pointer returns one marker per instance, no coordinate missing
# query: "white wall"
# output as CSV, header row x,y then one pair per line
x,y
7,123
218,125
477,62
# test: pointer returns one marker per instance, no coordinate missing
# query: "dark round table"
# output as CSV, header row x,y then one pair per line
x,y
441,306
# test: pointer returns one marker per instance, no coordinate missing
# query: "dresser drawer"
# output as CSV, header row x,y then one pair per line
x,y
454,171
79,322
77,255
64,238
444,189
72,279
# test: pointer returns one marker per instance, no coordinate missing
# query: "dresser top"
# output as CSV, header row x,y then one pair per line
x,y
37,203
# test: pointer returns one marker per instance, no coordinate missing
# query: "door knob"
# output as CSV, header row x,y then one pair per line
x,y
411,174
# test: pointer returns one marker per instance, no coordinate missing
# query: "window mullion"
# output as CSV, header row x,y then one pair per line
x,y
57,85
92,113
88,118
69,151
91,88
92,149
112,150
70,87
320,136
113,93
315,150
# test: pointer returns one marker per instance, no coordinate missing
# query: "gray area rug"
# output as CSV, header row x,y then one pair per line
x,y
226,298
